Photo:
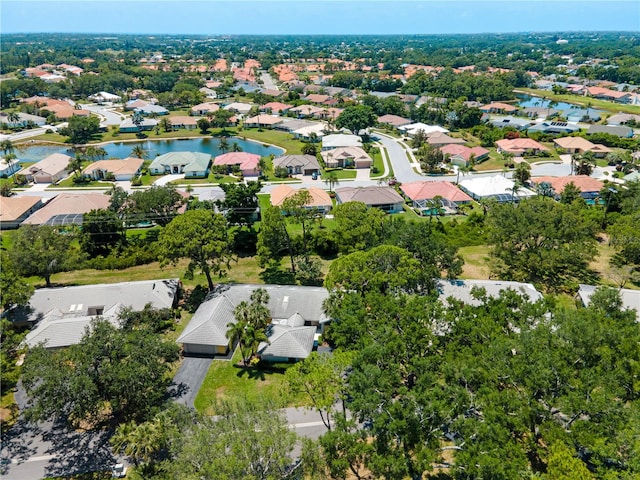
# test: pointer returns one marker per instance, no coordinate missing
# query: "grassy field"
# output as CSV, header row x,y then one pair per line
x,y
476,262
273,137
68,183
582,101
244,270
228,379
342,174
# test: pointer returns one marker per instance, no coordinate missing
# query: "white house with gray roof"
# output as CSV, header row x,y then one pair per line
x,y
61,315
296,308
192,164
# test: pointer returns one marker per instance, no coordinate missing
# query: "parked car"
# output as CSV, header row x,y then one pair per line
x,y
119,470
314,176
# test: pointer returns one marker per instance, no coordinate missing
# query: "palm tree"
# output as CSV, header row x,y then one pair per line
x,y
332,180
13,117
235,334
93,152
138,152
7,146
224,145
235,147
75,164
166,125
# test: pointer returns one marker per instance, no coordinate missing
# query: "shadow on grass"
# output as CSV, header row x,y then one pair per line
x,y
277,276
251,372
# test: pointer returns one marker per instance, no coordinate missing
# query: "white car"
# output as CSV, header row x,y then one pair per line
x,y
119,470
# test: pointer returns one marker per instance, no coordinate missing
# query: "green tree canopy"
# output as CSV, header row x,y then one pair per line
x,y
81,129
357,226
102,231
201,236
42,251
541,241
356,118
111,374
156,204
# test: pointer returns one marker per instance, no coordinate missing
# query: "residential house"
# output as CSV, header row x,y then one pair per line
x,y
618,131
298,164
630,298
498,107
318,98
463,290
262,121
499,188
209,93
303,111
68,208
275,107
23,120
623,119
62,315
15,210
581,145
319,199
121,170
422,193
554,128
611,95
394,121
310,133
461,155
205,334
288,341
152,109
205,109
135,104
239,108
384,198
184,121
413,128
8,167
520,146
246,162
50,169
513,122
439,139
541,112
192,164
344,157
270,92
105,97
339,140
589,187
145,124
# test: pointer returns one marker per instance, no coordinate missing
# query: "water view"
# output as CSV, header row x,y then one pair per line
x,y
570,111
153,148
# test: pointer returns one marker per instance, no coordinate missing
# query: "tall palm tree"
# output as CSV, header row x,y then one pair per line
x,y
13,117
236,333
235,147
7,146
332,180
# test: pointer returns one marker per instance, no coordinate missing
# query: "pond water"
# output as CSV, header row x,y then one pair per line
x,y
153,148
529,101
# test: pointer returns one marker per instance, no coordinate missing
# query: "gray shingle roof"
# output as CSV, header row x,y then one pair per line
x,y
287,342
209,324
369,195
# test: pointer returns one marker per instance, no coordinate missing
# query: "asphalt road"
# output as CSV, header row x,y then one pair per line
x,y
268,81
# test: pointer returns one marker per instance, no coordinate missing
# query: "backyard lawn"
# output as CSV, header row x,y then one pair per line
x,y
273,137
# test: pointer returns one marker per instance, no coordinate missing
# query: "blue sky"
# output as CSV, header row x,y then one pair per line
x,y
316,17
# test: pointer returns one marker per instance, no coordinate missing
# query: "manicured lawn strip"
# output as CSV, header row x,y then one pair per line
x,y
274,137
582,101
378,163
227,379
196,181
68,183
342,174
244,270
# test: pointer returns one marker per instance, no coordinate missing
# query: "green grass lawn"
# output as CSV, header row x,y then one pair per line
x,y
68,183
227,379
476,262
195,181
273,137
342,174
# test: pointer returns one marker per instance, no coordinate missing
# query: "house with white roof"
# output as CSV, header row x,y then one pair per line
x,y
339,140
62,315
296,314
413,128
499,188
